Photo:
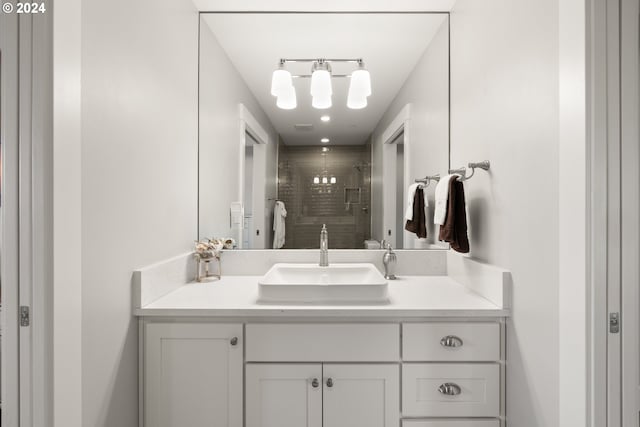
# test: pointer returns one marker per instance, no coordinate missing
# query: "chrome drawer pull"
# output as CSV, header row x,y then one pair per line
x,y
330,382
451,341
315,383
234,341
450,389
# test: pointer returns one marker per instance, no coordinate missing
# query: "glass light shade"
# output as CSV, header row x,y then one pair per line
x,y
324,180
316,180
333,179
280,82
356,103
321,102
321,83
361,81
359,89
287,100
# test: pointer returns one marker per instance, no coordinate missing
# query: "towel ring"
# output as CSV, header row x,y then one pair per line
x,y
484,165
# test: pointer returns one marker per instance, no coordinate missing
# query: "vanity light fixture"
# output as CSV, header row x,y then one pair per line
x,y
321,87
324,180
287,99
325,118
280,80
324,140
333,179
316,180
359,88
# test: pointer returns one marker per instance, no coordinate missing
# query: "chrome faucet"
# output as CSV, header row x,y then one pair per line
x,y
324,246
389,259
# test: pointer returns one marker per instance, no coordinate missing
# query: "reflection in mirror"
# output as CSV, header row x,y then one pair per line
x,y
312,119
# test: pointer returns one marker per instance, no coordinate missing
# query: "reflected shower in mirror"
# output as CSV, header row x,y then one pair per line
x,y
311,119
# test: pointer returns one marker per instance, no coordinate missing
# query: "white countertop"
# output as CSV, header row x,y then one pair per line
x,y
409,296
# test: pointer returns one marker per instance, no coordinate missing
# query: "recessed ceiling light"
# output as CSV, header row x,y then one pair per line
x,y
325,118
324,140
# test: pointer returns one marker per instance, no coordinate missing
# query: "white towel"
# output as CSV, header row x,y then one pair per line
x,y
411,192
279,214
441,196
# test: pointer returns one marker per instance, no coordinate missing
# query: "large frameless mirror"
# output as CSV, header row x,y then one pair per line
x,y
321,118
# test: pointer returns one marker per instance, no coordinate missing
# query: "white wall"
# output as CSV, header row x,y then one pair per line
x,y
426,89
67,215
573,210
139,174
504,108
222,89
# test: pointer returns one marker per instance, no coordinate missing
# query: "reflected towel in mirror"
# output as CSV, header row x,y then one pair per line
x,y
418,223
279,214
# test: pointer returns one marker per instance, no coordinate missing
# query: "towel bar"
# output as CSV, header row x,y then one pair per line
x,y
485,165
427,179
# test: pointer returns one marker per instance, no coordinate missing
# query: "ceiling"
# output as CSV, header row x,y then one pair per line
x,y
389,44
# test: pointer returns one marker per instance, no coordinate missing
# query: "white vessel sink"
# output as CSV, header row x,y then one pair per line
x,y
310,283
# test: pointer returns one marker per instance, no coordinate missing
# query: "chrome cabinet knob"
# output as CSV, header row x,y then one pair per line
x,y
451,341
449,389
329,382
234,341
315,383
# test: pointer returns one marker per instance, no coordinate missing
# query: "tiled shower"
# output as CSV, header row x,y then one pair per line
x,y
326,185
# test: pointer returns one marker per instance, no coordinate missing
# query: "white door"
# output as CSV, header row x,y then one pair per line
x,y
361,395
193,375
283,395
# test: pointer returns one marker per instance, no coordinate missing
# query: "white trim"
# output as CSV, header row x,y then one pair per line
x,y
252,125
399,125
25,201
42,214
249,124
630,209
596,328
10,218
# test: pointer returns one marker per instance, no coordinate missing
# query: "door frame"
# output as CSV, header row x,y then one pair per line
x,y
630,209
249,124
10,272
613,233
27,227
399,125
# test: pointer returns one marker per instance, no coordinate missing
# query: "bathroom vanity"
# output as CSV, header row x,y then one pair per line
x,y
432,356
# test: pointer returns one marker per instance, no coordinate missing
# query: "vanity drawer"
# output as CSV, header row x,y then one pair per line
x,y
451,423
322,342
469,342
473,391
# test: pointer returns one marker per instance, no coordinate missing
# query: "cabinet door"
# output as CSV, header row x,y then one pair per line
x,y
361,395
193,375
283,395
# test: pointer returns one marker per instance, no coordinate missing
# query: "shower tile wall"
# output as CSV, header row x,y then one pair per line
x,y
343,206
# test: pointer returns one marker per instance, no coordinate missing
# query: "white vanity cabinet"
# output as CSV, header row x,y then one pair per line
x,y
414,373
193,375
322,395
